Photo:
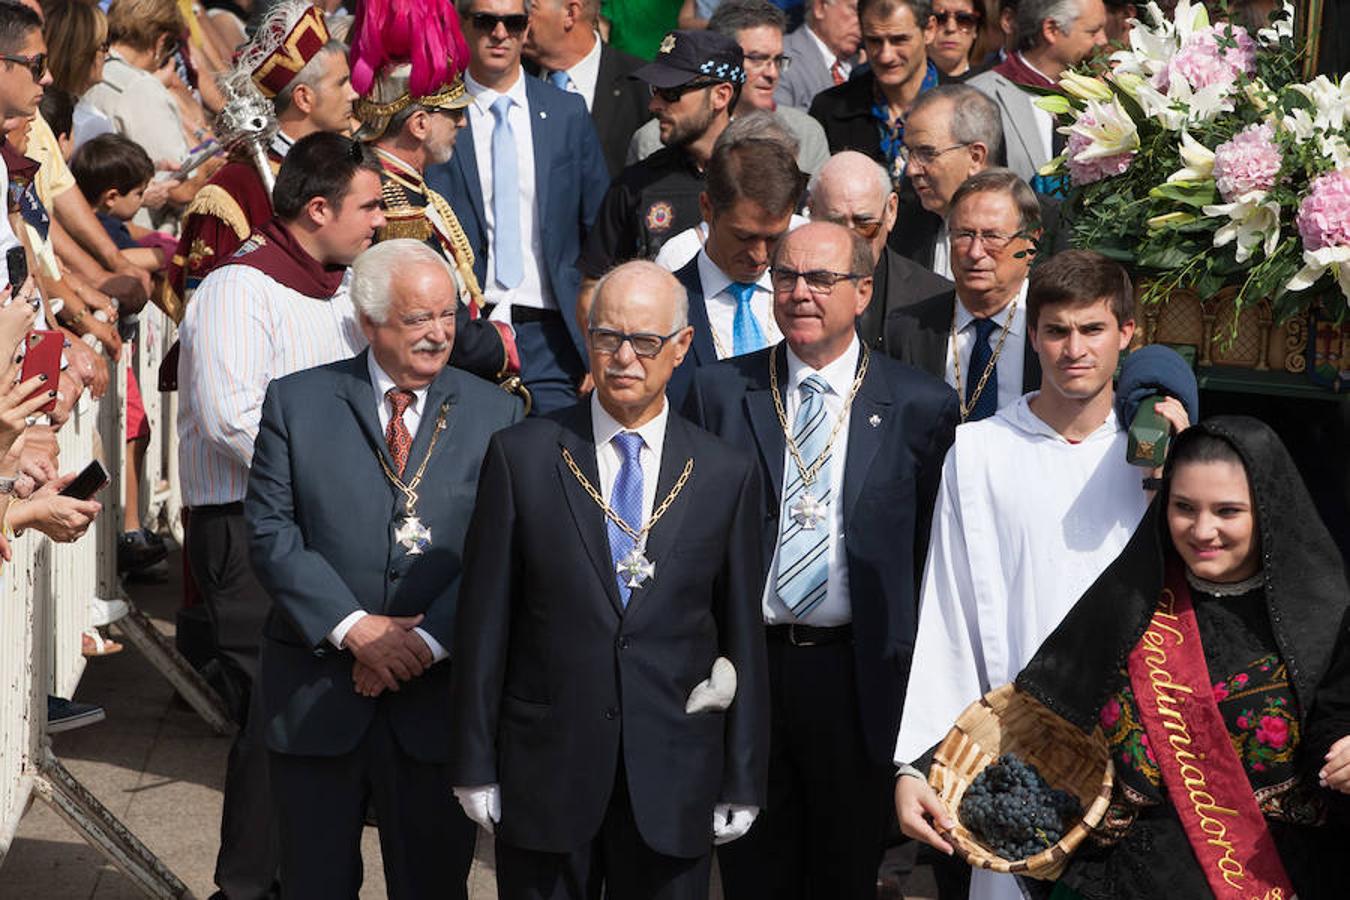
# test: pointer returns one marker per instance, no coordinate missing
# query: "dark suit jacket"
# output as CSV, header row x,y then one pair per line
x,y
619,107
570,180
891,476
920,334
320,514
702,351
896,282
555,680
845,112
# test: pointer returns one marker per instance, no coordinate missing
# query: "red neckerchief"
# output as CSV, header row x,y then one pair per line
x,y
272,250
1016,70
1201,771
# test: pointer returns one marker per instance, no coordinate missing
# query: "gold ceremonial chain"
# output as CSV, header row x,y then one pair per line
x,y
638,535
410,489
966,408
809,473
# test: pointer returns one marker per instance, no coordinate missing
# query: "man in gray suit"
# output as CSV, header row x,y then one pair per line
x,y
823,51
359,498
1052,36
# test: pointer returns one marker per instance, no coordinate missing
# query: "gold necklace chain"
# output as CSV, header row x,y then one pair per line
x,y
967,408
638,535
808,473
410,488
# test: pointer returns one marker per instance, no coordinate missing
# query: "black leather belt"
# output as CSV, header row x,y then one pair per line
x,y
522,314
810,635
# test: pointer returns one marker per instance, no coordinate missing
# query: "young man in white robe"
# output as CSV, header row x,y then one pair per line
x,y
1035,502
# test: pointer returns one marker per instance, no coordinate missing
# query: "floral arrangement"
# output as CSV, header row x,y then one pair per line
x,y
1197,157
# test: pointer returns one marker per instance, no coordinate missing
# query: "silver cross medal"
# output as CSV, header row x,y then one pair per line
x,y
413,535
808,512
635,567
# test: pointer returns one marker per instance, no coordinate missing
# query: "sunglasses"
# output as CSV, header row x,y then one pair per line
x,y
36,65
964,21
487,23
673,94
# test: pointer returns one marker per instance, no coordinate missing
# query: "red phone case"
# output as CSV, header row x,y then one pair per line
x,y
42,355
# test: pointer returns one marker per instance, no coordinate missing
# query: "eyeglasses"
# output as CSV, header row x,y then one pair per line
x,y
487,22
964,21
607,340
781,61
820,281
455,115
673,94
994,241
36,65
926,156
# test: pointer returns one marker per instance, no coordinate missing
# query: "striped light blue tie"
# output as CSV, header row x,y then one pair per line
x,y
803,566
746,336
626,500
505,199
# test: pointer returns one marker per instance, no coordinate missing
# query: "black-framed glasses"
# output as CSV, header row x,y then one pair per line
x,y
782,61
487,23
673,94
644,343
820,281
964,21
993,241
36,64
926,156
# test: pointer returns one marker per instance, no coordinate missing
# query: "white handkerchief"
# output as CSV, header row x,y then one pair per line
x,y
715,692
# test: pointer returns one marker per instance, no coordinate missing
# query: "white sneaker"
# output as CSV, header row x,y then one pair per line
x,y
105,612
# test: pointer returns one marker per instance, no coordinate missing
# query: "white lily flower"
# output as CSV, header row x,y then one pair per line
x,y
1331,101
1198,160
1084,87
1281,27
1316,263
1112,131
1253,222
1335,148
1299,123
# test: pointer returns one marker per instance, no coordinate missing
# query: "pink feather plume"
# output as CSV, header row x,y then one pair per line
x,y
425,33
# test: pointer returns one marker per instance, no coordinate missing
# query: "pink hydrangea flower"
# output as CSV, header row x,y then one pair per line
x,y
1274,732
1200,62
1110,714
1324,215
1086,171
1249,162
1220,692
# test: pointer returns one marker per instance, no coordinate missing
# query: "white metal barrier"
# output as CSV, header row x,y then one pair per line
x,y
160,498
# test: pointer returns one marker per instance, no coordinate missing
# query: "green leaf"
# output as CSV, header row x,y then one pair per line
x,y
1190,193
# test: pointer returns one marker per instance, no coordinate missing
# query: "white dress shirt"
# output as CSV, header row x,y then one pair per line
x,y
845,66
585,74
1010,358
942,253
412,417
531,291
721,306
608,459
836,608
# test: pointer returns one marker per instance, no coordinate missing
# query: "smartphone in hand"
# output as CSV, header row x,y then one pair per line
x,y
88,483
42,356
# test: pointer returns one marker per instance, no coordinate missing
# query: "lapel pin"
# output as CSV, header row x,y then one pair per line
x,y
874,420
543,114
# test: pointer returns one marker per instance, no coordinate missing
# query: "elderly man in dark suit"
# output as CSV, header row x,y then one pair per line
x,y
358,504
852,443
566,51
610,700
853,191
526,182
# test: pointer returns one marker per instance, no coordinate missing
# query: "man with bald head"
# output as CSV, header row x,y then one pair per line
x,y
845,530
610,697
853,190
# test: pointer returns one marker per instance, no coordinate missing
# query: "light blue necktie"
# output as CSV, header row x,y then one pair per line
x,y
803,567
626,500
505,199
560,80
746,336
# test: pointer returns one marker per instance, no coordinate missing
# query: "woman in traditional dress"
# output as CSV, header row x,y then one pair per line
x,y
1213,653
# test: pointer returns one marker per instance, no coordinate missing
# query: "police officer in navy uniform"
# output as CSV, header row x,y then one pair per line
x,y
695,82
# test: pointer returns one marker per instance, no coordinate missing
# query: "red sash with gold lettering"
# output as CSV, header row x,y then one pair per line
x,y
1201,771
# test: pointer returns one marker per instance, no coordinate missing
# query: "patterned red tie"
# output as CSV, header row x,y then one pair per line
x,y
396,435
837,72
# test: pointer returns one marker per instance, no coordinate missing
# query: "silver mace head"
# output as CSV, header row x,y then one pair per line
x,y
247,117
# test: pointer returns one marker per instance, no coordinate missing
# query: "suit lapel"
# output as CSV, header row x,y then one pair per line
x,y
935,336
864,437
577,437
1031,366
675,452
442,392
603,103
759,407
360,396
465,163
541,133
703,349
1017,105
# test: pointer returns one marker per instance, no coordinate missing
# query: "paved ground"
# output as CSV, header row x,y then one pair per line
x,y
160,770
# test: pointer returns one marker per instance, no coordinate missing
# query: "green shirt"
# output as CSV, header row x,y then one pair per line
x,y
637,26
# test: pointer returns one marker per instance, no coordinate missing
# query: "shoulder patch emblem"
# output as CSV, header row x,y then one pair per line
x,y
660,216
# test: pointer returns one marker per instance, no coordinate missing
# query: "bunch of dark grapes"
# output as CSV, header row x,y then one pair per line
x,y
1011,809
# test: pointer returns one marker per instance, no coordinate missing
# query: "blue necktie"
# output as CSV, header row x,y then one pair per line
x,y
505,199
746,336
560,80
980,354
626,500
803,567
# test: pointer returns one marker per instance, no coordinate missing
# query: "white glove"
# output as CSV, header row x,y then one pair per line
x,y
731,821
483,804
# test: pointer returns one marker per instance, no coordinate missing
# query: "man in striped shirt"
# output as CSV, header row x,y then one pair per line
x,y
279,305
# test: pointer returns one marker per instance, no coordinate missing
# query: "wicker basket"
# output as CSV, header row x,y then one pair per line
x,y
1007,720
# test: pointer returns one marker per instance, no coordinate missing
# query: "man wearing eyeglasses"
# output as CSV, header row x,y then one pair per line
x,y
609,698
852,444
757,25
975,337
525,181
